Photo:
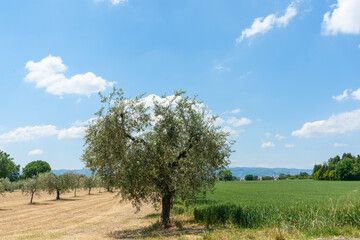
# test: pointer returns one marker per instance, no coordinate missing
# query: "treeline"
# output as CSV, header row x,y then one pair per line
x,y
346,168
301,175
53,184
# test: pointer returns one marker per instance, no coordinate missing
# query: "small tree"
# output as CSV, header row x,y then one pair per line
x,y
172,150
31,186
226,175
88,183
34,168
56,184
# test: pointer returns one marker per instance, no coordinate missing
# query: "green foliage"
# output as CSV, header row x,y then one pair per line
x,y
34,168
88,183
249,177
56,184
346,168
2,188
226,175
152,155
317,207
8,169
8,185
302,175
32,186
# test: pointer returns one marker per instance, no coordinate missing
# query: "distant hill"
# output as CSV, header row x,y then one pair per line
x,y
236,171
76,171
258,171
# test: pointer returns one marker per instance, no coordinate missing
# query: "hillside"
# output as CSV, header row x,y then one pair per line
x,y
258,171
237,171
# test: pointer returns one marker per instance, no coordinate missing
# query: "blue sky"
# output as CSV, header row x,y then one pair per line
x,y
283,76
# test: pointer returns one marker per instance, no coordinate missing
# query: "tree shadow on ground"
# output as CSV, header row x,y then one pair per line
x,y
66,199
40,203
155,231
5,209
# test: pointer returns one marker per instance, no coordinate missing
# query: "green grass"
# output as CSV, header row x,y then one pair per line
x,y
319,208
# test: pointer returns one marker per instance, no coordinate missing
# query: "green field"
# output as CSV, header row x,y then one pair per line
x,y
302,208
285,192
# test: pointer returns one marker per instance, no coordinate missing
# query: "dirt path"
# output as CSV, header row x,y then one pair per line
x,y
85,217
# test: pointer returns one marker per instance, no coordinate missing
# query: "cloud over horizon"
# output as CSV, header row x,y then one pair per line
x,y
336,124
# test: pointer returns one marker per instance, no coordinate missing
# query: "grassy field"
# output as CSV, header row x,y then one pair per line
x,y
284,193
296,208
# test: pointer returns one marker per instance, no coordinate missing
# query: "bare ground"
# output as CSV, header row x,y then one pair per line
x,y
95,216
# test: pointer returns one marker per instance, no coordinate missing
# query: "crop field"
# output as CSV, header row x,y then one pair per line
x,y
304,208
95,216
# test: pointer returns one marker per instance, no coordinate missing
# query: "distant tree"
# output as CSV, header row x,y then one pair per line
x,y
172,150
343,169
88,183
8,169
34,168
249,177
282,176
32,186
8,185
56,184
74,181
267,178
226,175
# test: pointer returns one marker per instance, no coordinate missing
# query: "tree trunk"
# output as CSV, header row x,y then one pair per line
x,y
75,193
32,196
165,213
89,190
57,195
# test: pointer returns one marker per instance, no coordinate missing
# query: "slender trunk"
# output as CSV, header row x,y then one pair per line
x,y
57,195
89,190
165,213
75,193
99,189
32,196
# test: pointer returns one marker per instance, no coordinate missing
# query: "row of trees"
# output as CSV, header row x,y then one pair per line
x,y
51,183
346,168
302,175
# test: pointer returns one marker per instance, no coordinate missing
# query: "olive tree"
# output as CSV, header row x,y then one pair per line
x,y
56,184
154,154
32,186
88,183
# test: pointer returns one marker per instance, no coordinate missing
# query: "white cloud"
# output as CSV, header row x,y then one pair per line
x,y
221,68
356,94
267,135
113,2
28,133
262,25
237,110
339,145
279,137
336,124
116,2
235,122
36,152
48,74
72,132
219,121
267,144
344,18
342,96
232,132
289,145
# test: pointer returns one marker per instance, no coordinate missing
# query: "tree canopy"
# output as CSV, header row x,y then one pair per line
x,y
152,154
346,168
8,169
34,168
